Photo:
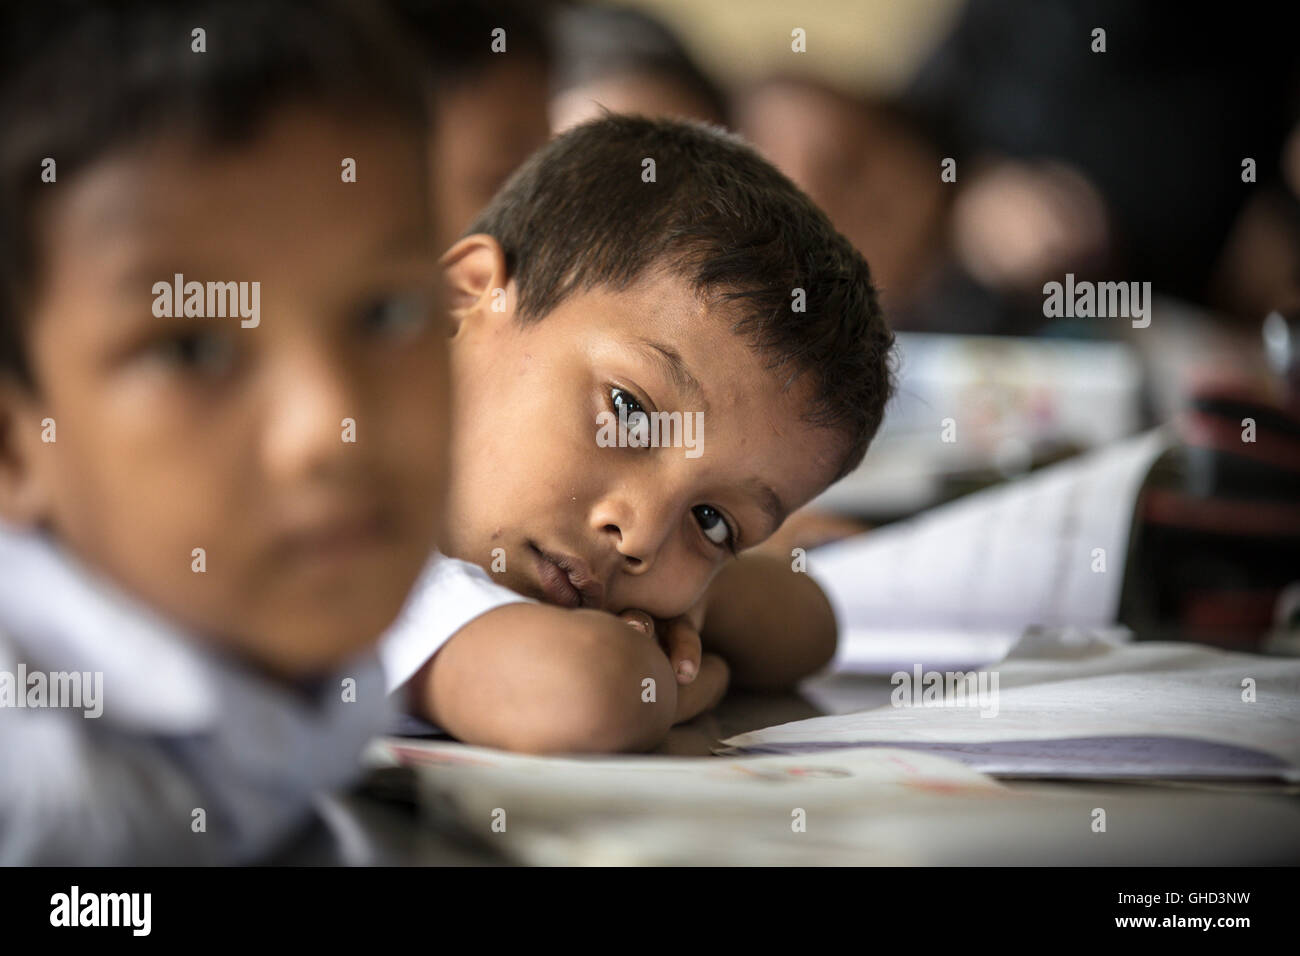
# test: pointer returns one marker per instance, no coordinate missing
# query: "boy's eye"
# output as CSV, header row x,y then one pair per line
x,y
713,525
638,421
210,354
620,397
398,316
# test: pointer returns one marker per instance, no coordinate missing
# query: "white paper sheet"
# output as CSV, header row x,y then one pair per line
x,y
1048,549
548,786
1058,687
880,650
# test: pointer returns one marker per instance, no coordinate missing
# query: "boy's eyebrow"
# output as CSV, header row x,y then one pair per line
x,y
671,361
390,244
768,500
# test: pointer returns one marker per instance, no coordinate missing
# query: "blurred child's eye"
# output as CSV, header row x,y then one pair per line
x,y
714,526
398,316
208,353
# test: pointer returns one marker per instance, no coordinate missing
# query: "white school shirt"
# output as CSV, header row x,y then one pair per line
x,y
448,595
183,727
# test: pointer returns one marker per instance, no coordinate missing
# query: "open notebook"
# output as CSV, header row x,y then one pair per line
x,y
957,586
829,791
1074,703
630,810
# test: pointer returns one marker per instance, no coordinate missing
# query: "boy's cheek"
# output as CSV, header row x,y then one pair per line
x,y
187,554
298,622
162,509
305,638
411,446
269,612
286,613
667,596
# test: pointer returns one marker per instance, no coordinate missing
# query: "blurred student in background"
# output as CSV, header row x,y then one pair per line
x,y
626,61
488,65
1116,154
876,173
1259,270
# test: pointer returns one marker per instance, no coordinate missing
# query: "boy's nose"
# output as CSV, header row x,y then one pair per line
x,y
313,418
637,531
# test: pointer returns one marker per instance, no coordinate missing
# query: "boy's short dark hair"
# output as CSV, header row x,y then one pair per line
x,y
578,215
82,78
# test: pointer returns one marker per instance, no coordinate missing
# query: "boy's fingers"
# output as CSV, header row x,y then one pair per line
x,y
705,691
640,620
682,645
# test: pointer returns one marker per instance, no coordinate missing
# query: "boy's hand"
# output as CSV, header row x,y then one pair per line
x,y
706,691
772,624
702,678
678,636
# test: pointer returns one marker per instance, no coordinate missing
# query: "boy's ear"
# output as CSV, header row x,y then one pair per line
x,y
22,493
474,273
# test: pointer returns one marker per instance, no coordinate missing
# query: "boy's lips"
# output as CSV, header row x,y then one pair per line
x,y
567,580
337,538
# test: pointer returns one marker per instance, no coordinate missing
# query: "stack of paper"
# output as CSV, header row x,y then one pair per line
x,y
913,784
875,806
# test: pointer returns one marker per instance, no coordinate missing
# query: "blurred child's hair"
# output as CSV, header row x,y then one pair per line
x,y
578,215
80,79
455,37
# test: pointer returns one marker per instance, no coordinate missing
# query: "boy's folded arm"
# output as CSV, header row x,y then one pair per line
x,y
773,625
540,679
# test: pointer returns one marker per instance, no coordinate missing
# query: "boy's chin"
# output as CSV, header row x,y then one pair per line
x,y
310,645
298,656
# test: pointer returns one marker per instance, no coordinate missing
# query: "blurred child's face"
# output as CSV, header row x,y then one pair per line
x,y
644,94
485,129
652,525
879,184
175,434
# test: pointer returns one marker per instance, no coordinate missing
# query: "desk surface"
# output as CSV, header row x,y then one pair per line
x,y
381,824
